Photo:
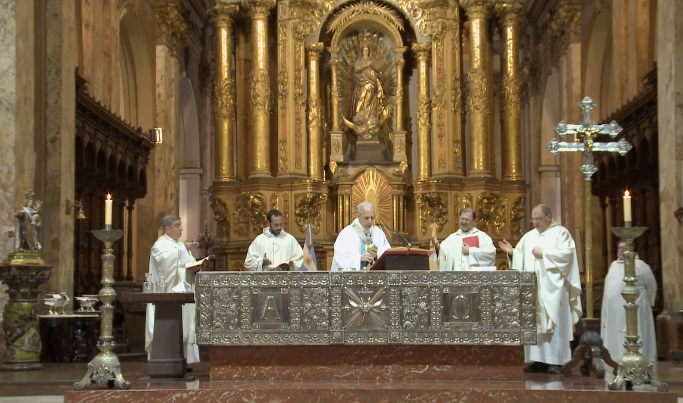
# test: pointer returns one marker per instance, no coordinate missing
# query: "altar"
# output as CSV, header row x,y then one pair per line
x,y
361,326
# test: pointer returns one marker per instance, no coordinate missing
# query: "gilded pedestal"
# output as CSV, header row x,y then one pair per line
x,y
22,338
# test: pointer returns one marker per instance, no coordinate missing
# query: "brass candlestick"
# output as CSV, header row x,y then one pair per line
x,y
634,369
105,368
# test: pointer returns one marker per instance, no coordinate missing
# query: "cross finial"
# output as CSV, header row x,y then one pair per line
x,y
587,105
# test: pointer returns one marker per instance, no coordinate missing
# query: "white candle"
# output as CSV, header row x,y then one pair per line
x,y
107,209
627,207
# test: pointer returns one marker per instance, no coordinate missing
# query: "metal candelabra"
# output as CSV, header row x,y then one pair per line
x,y
634,369
105,368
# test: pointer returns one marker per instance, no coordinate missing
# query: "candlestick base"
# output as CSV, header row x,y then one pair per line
x,y
591,352
103,370
634,369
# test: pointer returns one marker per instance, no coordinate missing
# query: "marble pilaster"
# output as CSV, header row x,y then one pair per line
x,y
670,115
61,48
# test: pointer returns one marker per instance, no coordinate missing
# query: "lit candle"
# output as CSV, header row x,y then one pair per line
x,y
627,207
107,209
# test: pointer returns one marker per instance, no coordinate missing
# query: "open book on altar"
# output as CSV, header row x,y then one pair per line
x,y
403,259
197,263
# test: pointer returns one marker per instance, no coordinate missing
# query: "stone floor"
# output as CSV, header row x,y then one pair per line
x,y
49,384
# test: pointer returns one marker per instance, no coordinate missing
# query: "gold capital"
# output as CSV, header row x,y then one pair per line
x,y
509,12
223,13
258,8
171,27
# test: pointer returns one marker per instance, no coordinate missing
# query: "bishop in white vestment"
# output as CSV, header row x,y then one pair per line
x,y
460,250
549,251
613,316
274,249
168,261
361,243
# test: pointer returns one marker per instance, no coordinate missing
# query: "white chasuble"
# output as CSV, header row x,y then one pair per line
x,y
351,245
482,251
279,249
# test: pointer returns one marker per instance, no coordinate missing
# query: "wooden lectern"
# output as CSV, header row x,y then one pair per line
x,y
167,360
403,259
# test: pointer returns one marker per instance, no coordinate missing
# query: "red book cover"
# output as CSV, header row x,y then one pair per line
x,y
471,241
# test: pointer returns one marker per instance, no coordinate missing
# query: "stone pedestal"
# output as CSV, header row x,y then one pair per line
x,y
22,338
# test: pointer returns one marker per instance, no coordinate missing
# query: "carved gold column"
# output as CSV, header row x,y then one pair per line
x,y
259,162
315,137
480,78
510,115
336,135
424,111
399,133
223,113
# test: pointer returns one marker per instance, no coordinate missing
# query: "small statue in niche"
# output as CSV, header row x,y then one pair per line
x,y
28,223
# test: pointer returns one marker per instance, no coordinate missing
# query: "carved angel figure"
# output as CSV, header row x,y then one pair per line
x,y
28,222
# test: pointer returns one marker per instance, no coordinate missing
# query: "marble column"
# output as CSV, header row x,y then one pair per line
x,y
479,79
259,162
509,15
171,30
424,112
224,93
670,116
315,134
61,59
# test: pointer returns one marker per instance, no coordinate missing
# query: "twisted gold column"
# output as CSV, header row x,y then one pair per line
x,y
509,14
424,111
224,108
315,136
479,79
259,163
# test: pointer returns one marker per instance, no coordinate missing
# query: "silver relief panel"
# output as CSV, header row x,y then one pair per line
x,y
272,308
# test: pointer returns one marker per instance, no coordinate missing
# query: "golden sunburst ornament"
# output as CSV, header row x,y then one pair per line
x,y
373,187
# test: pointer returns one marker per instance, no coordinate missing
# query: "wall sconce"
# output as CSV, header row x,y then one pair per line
x,y
78,206
157,135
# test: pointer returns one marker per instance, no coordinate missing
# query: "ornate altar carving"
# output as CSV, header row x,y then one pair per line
x,y
250,213
433,209
518,213
491,209
366,308
222,217
308,207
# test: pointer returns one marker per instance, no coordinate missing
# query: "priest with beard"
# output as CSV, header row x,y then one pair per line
x,y
361,243
466,248
549,251
274,249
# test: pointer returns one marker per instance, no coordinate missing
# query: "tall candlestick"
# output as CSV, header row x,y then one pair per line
x,y
627,207
107,209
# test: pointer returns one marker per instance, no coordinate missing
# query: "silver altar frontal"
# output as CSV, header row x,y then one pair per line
x,y
366,308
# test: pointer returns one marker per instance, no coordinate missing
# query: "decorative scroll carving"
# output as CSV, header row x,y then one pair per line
x,y
477,93
433,209
282,89
250,213
518,214
224,100
260,91
171,27
365,7
366,308
285,206
424,113
307,209
310,14
282,157
221,216
467,200
491,210
273,201
313,113
511,87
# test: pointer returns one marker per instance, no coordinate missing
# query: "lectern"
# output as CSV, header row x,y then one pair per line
x,y
403,259
167,360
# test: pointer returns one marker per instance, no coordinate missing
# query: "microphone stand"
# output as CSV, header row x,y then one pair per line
x,y
393,231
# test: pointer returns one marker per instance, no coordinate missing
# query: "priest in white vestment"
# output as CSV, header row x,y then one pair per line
x,y
613,316
549,251
467,248
361,243
274,249
168,262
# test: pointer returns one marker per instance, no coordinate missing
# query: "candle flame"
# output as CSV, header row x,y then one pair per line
x,y
108,196
626,193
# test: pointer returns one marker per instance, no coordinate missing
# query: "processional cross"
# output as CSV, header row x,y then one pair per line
x,y
584,139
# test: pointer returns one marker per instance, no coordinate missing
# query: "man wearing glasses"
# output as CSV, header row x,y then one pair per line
x,y
466,248
549,251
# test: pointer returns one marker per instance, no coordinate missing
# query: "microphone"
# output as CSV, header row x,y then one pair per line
x,y
405,241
